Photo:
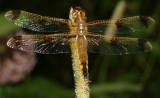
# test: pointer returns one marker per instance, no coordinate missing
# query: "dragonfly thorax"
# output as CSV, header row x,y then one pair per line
x,y
80,28
77,18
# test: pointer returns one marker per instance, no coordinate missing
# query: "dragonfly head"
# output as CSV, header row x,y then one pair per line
x,y
77,14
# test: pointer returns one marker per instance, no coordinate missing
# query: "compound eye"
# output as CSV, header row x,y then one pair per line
x,y
83,13
74,13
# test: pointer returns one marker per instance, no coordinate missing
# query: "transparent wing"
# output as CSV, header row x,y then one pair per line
x,y
44,44
117,45
36,22
121,26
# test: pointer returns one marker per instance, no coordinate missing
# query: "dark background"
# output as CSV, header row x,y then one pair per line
x,y
126,76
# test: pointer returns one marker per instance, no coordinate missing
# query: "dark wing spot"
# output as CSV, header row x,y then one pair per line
x,y
42,21
18,41
15,14
17,37
114,41
144,20
141,44
119,23
142,41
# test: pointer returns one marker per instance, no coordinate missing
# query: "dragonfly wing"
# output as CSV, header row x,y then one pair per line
x,y
44,44
121,26
36,22
117,45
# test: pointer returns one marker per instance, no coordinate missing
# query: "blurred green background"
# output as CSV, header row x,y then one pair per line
x,y
126,76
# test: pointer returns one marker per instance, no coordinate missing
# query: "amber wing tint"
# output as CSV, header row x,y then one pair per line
x,y
36,22
52,44
60,43
116,45
121,26
44,44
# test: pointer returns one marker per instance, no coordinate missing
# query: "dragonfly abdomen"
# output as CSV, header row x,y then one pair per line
x,y
83,57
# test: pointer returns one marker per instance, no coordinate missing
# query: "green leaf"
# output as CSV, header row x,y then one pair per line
x,y
6,26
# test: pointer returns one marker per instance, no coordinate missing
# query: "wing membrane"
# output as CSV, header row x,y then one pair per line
x,y
44,44
121,26
36,22
53,44
117,45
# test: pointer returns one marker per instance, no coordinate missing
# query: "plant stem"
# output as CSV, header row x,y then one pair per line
x,y
117,14
81,85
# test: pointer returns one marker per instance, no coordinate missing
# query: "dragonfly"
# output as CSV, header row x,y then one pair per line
x,y
61,34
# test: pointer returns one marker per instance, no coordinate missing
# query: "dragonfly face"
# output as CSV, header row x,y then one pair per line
x,y
90,33
77,14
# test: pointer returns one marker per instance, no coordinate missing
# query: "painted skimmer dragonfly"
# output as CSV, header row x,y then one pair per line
x,y
87,36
